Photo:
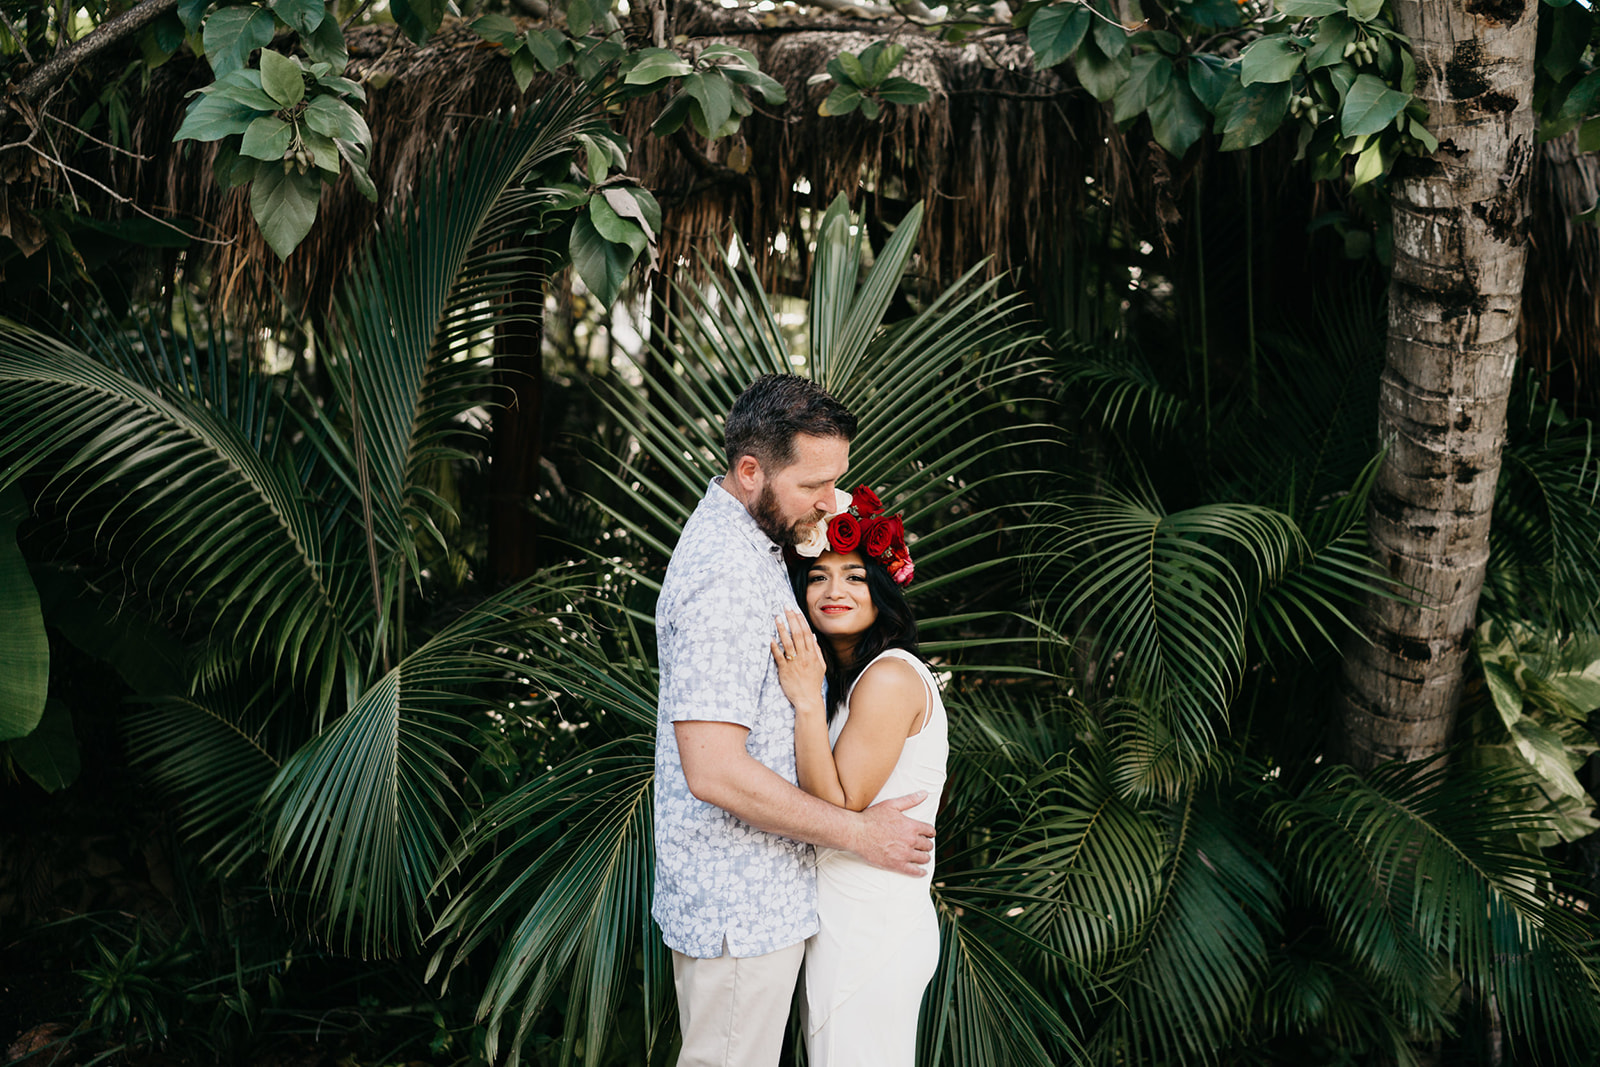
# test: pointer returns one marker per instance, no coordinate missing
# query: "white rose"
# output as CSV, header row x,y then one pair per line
x,y
841,502
816,540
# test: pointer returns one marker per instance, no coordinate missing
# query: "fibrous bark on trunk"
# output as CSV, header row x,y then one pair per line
x,y
1460,246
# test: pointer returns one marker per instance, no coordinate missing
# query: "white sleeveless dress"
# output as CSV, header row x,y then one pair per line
x,y
878,944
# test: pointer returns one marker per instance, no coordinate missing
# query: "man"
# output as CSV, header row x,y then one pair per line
x,y
735,891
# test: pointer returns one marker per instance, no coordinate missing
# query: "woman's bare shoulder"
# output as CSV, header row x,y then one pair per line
x,y
889,683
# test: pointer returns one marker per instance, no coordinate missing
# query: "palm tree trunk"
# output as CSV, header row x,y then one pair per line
x,y
1460,245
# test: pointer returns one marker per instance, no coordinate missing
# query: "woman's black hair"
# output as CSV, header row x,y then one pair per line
x,y
895,627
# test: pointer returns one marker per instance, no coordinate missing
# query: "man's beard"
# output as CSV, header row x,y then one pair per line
x,y
770,519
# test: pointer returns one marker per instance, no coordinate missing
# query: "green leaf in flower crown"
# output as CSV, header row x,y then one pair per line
x,y
284,206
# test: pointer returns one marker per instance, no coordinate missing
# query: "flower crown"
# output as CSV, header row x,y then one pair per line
x,y
858,524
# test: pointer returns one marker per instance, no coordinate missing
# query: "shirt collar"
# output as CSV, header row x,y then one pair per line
x,y
726,507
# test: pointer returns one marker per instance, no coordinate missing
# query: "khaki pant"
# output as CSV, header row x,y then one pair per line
x,y
733,1011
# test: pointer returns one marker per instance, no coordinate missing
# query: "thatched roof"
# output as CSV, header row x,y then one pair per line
x,y
1009,160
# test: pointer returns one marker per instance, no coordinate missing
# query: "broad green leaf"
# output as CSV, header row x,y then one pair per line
x,y
418,19
741,57
326,45
880,58
1253,113
281,78
602,264
523,67
542,50
356,156
49,755
284,206
1210,80
1504,690
1369,106
613,227
1569,36
267,138
1300,9
843,100
771,90
212,117
302,16
1333,33
635,202
1369,166
324,152
497,29
332,117
1543,748
657,64
902,91
1108,32
1178,119
1589,136
1098,72
231,169
1055,33
1148,78
580,16
190,12
232,33
854,72
1364,10
870,108
712,92
673,116
1271,59
24,649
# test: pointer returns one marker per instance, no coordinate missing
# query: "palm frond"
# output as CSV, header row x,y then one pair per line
x,y
427,290
1415,873
1162,599
177,491
362,815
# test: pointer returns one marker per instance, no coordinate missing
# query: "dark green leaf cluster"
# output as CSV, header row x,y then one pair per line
x,y
867,82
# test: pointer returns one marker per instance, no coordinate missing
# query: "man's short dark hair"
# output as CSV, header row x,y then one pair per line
x,y
763,421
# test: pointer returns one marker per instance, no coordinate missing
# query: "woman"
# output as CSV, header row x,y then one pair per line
x,y
882,734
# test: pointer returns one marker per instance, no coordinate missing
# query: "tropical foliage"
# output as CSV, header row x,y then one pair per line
x,y
1136,563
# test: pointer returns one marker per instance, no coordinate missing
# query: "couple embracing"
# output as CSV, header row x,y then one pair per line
x,y
800,753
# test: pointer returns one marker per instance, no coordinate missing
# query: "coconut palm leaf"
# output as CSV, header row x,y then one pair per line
x,y
1166,597
362,815
179,493
425,292
1416,873
1193,966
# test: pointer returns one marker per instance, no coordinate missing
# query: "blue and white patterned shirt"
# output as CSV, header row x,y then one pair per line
x,y
716,876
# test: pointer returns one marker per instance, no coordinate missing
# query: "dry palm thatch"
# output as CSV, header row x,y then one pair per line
x,y
1009,161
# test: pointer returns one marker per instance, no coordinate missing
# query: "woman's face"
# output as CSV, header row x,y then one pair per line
x,y
837,600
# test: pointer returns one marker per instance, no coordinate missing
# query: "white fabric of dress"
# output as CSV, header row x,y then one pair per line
x,y
878,942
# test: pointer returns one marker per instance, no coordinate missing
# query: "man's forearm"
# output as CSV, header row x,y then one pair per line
x,y
765,800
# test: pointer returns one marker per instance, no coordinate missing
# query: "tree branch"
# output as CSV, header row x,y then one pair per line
x,y
112,31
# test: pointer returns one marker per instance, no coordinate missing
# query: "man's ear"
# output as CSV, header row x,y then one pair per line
x,y
747,472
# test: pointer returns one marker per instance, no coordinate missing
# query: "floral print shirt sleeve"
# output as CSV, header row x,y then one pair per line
x,y
718,879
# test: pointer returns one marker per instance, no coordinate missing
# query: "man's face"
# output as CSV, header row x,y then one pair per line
x,y
802,492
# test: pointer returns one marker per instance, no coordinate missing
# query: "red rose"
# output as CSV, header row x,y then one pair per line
x,y
844,532
865,501
881,535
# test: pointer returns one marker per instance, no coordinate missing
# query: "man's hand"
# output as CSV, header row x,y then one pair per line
x,y
890,840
